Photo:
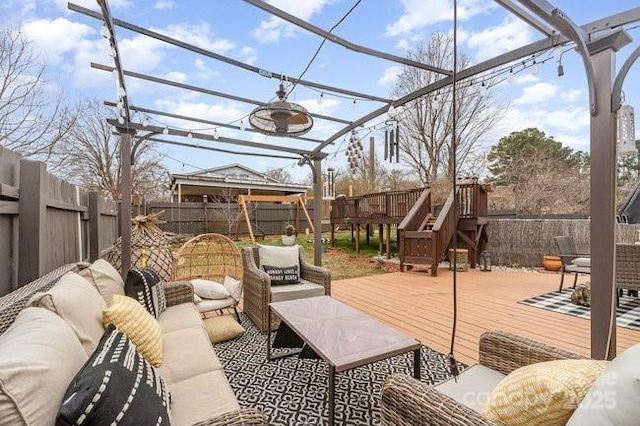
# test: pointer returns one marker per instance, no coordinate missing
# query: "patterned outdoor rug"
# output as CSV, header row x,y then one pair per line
x,y
628,313
292,391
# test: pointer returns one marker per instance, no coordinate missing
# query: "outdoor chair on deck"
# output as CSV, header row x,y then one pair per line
x,y
627,268
572,261
212,257
259,287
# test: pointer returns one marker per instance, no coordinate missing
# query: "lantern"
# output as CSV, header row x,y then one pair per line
x,y
485,261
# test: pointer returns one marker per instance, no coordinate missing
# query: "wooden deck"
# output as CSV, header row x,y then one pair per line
x,y
422,306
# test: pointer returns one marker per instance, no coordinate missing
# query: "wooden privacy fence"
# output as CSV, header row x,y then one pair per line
x,y
523,242
221,218
46,222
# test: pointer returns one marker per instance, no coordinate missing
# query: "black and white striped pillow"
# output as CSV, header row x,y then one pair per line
x,y
116,385
144,285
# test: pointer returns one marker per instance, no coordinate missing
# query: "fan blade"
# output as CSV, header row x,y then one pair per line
x,y
298,119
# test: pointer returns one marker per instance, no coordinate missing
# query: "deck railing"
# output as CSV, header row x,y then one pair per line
x,y
392,206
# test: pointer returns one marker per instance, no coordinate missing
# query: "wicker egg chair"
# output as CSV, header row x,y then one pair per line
x,y
210,257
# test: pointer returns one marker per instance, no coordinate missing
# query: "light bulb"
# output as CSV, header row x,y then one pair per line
x,y
145,122
512,76
483,89
121,120
215,134
189,135
320,99
354,107
165,131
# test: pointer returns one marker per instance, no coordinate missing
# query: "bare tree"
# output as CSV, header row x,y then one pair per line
x,y
426,125
90,157
33,119
279,174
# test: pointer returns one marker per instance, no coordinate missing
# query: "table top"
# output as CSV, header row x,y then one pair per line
x,y
340,334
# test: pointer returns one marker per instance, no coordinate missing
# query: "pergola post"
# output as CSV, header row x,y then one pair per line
x,y
125,200
317,211
602,225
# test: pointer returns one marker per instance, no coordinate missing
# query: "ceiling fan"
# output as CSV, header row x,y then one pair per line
x,y
281,118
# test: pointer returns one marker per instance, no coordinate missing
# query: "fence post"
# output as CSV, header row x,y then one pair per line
x,y
32,212
95,237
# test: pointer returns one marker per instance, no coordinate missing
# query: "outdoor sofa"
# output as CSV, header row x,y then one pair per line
x,y
612,399
32,385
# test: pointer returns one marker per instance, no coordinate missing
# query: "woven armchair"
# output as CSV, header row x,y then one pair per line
x,y
627,267
407,401
211,257
257,286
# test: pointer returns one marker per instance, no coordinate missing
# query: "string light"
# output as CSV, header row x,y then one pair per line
x,y
320,98
483,89
145,122
190,135
535,68
121,120
215,134
165,131
511,77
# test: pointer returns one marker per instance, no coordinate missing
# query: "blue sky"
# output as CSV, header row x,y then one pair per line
x,y
69,42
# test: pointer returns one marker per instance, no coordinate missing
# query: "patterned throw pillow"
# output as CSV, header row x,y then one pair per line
x,y
116,385
132,319
545,393
282,275
145,286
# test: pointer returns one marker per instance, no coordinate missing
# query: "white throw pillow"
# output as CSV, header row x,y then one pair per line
x,y
209,289
282,257
233,286
196,298
614,398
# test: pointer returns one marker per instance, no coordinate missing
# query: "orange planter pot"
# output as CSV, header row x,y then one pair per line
x,y
551,263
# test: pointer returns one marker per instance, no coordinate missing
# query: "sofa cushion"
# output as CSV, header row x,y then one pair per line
x,y
545,393
282,275
187,353
583,262
78,302
208,289
282,293
233,286
201,397
144,285
131,318
116,386
473,386
105,278
177,317
614,398
38,344
279,256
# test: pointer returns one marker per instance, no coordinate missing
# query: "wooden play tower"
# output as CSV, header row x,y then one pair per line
x,y
423,237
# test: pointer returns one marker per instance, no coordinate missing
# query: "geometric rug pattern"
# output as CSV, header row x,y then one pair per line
x,y
627,313
293,391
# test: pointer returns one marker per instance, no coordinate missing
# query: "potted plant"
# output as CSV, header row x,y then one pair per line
x,y
289,236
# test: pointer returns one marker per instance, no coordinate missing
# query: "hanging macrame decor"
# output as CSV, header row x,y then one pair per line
x,y
149,246
392,141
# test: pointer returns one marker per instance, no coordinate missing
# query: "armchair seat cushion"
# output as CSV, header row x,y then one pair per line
x,y
300,290
582,262
208,305
473,387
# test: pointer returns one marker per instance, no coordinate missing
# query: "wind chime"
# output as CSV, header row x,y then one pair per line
x,y
354,153
392,141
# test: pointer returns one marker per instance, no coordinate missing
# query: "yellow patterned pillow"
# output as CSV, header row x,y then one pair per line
x,y
131,318
545,393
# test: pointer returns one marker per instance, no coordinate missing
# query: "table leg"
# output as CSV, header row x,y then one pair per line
x,y
332,402
269,333
416,363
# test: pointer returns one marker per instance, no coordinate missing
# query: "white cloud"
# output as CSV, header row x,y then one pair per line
x,y
176,76
571,95
418,14
163,4
390,75
91,4
511,34
328,106
221,112
198,35
54,38
526,78
272,29
248,55
141,53
539,92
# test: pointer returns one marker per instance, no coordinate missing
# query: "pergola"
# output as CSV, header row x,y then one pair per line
x,y
597,43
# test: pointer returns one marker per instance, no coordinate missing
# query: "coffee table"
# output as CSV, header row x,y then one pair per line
x,y
322,327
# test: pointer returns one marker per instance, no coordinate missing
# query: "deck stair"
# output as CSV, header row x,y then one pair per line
x,y
424,239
